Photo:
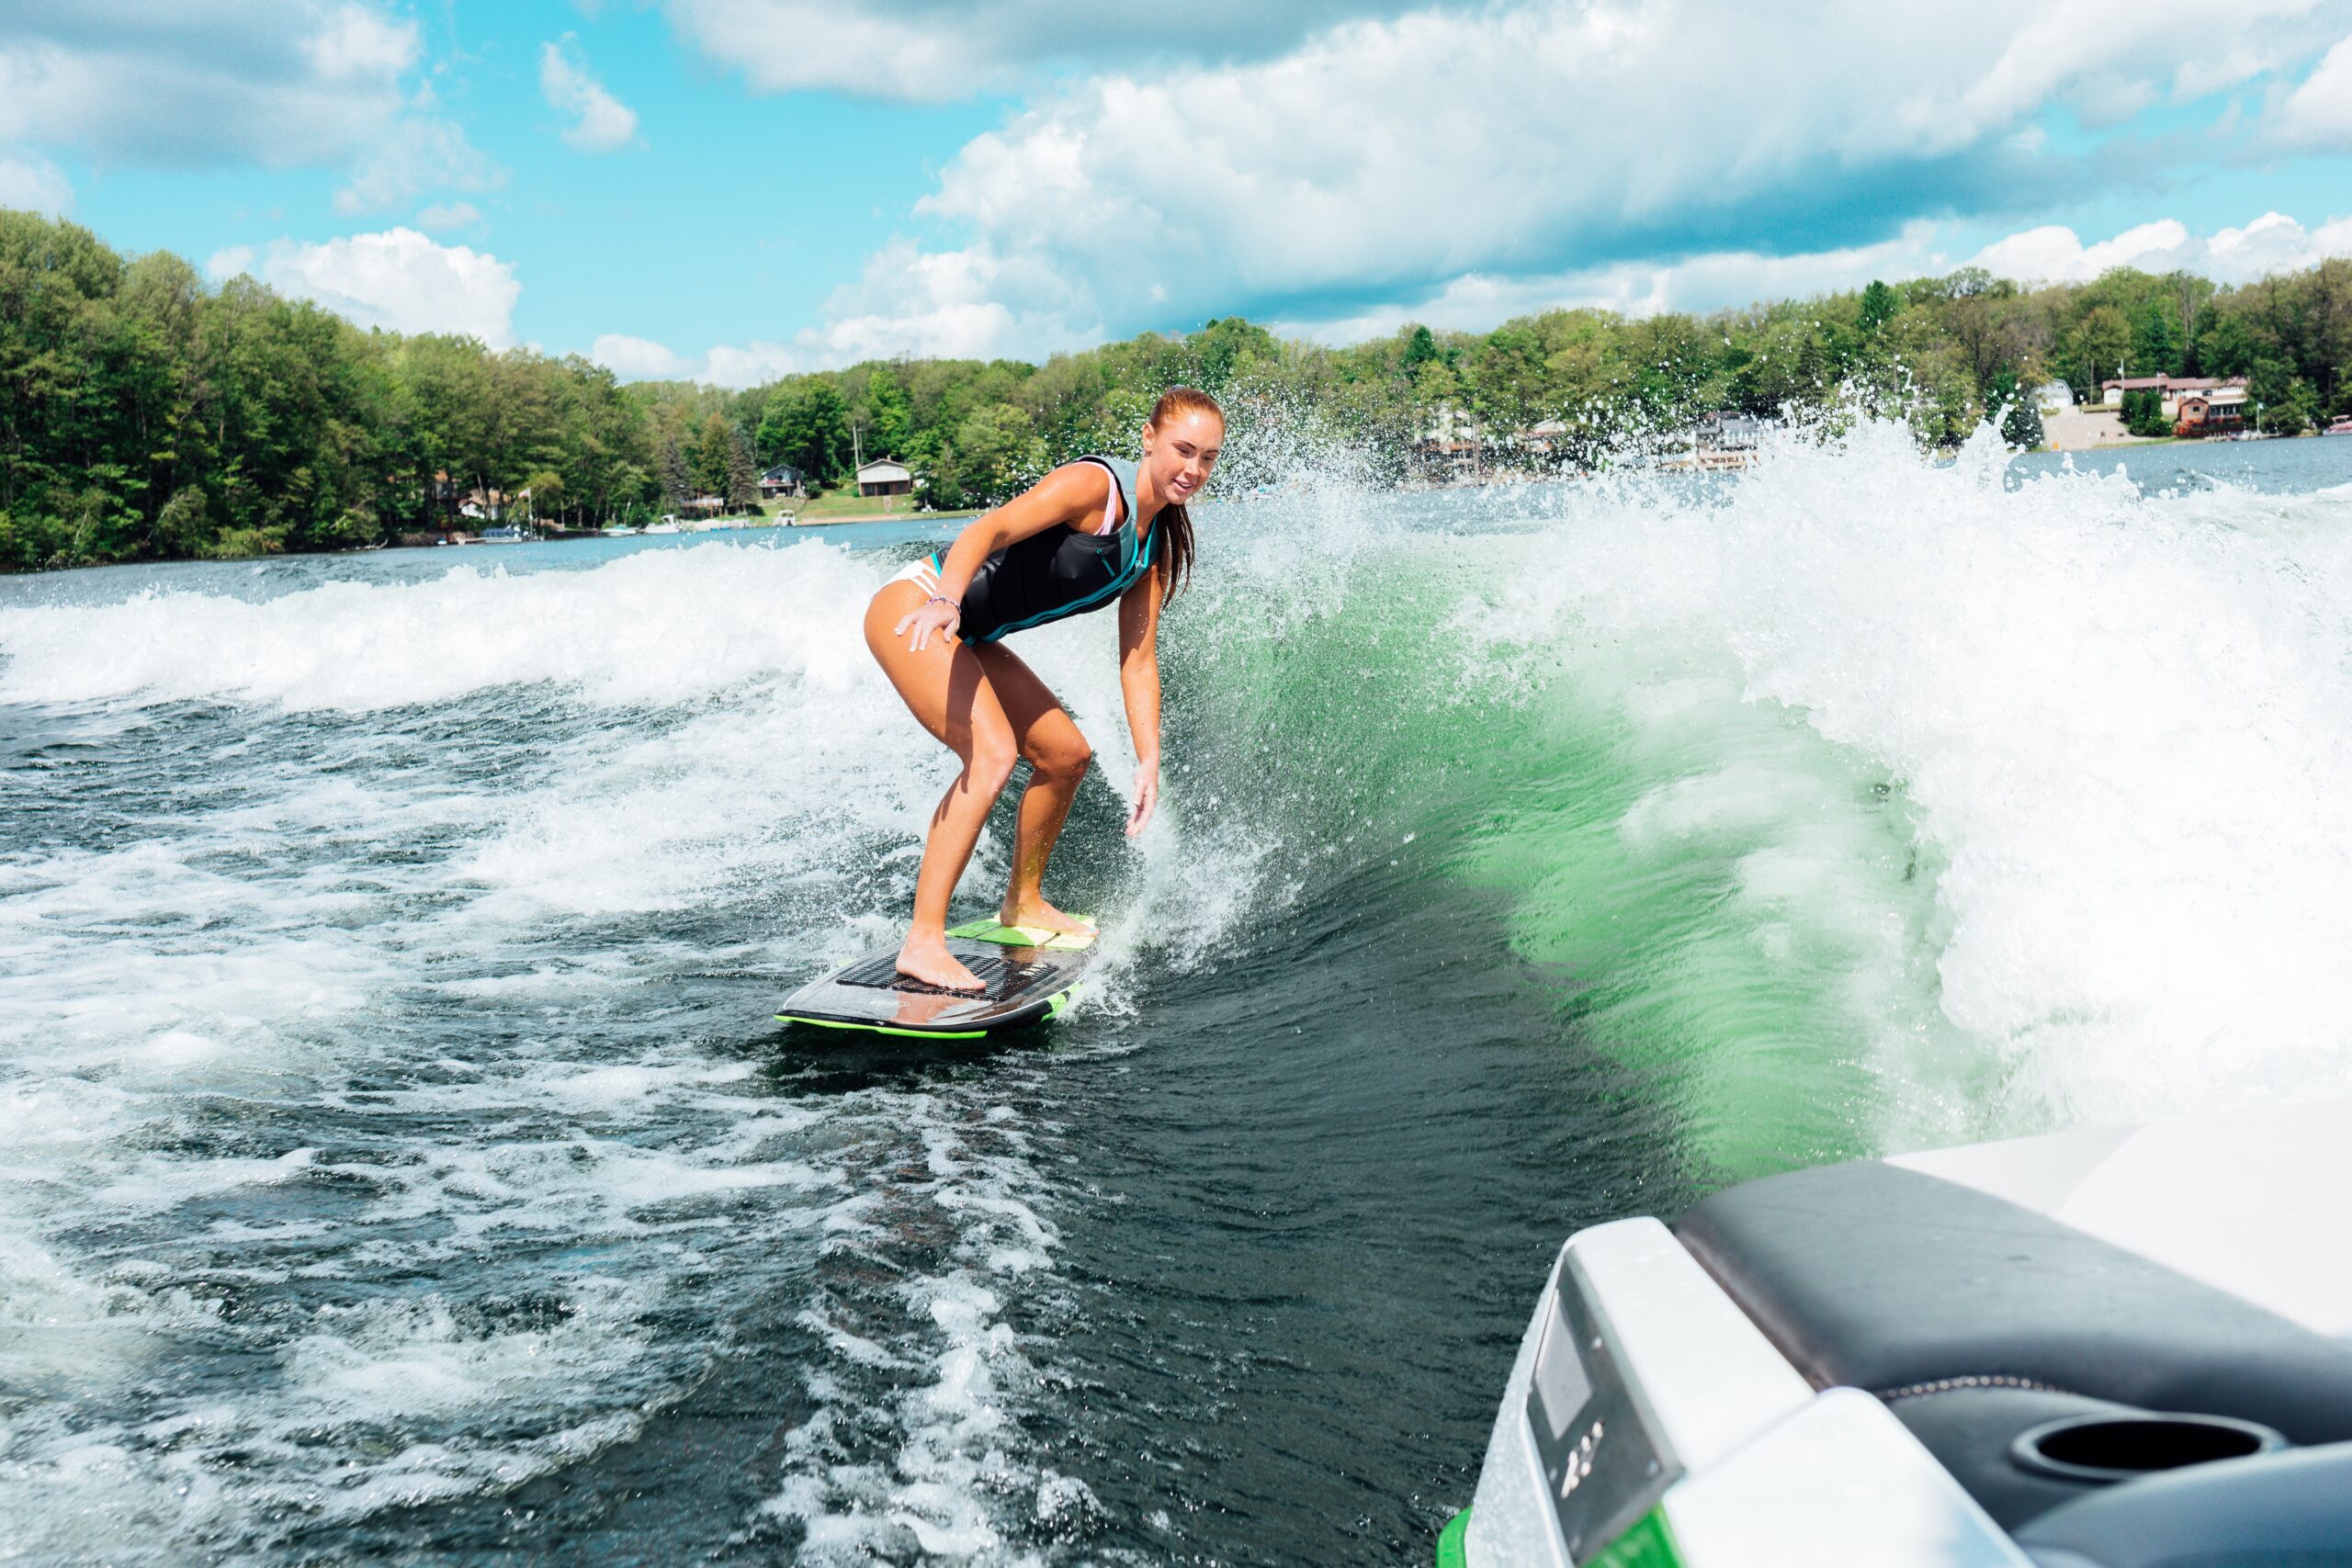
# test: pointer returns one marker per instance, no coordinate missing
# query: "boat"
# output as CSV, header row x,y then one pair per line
x,y
2108,1347
617,530
2341,427
667,525
507,534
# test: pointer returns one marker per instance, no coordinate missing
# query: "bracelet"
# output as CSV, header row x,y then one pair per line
x,y
943,598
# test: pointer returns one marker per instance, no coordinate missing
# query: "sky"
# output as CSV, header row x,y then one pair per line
x,y
735,190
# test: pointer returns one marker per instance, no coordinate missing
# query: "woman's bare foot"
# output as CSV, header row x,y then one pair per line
x,y
1036,915
928,960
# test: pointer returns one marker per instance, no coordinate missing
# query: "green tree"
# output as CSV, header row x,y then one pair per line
x,y
714,447
887,414
743,488
994,454
2156,344
2021,414
2143,414
677,472
2095,349
1879,305
807,425
184,527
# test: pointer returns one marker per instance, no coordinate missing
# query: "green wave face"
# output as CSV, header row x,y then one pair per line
x,y
1740,909
1862,802
1701,885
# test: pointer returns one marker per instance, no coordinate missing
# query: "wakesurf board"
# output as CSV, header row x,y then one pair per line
x,y
1026,976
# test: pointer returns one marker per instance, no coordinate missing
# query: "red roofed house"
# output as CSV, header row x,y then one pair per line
x,y
2173,388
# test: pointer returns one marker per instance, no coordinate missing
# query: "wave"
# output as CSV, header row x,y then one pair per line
x,y
1862,801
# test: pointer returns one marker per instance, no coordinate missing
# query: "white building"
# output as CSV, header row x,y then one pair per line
x,y
885,475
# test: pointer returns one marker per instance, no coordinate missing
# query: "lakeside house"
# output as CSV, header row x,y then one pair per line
x,y
2172,389
885,476
2216,413
2054,398
781,483
1727,438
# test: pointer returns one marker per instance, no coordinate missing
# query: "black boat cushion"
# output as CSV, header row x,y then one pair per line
x,y
1888,1280
1969,1428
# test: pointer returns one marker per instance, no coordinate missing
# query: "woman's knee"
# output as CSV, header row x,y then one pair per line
x,y
990,764
1059,756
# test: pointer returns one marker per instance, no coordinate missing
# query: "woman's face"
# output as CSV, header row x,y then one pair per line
x,y
1181,452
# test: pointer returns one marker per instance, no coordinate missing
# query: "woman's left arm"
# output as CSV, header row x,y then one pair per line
x,y
1139,684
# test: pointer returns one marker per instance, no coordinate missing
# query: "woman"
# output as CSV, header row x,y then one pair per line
x,y
1089,533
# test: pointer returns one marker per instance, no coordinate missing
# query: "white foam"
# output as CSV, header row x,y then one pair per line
x,y
2125,719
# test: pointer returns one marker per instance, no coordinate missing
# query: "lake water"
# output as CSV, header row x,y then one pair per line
x,y
402,1165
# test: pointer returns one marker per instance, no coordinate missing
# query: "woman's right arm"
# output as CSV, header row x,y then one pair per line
x,y
1072,493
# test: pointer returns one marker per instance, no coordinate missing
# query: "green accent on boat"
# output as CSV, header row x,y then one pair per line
x,y
1059,1000
1649,1544
1022,936
1452,1551
884,1029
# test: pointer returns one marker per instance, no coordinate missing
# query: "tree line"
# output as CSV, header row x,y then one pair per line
x,y
146,414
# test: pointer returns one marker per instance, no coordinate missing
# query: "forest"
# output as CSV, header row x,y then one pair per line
x,y
146,414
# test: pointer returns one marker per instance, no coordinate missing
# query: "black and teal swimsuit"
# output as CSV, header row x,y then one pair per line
x,y
1058,572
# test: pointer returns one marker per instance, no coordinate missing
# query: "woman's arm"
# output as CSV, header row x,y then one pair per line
x,y
1139,684
1072,493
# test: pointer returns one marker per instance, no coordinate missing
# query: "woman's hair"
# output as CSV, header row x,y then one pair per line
x,y
1174,523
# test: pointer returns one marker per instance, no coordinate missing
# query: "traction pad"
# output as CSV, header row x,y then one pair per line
x,y
1002,979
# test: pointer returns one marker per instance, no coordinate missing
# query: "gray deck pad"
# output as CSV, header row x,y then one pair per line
x,y
1023,979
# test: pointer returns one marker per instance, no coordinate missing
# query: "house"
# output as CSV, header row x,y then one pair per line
x,y
780,482
2172,388
2056,396
1726,439
1445,462
2212,414
1543,437
1729,430
885,475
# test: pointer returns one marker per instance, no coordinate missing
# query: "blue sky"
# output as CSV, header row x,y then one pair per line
x,y
733,189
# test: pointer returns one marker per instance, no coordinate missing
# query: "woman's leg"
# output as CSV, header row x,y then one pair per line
x,y
1057,757
947,689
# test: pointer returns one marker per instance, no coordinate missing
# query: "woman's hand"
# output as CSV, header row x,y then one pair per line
x,y
937,613
1147,797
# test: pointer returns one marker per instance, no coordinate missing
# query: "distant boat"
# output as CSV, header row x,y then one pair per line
x,y
667,525
2341,427
507,534
617,531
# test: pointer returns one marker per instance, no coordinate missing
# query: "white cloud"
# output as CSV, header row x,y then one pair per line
x,y
203,84
2318,113
398,279
415,155
35,185
949,49
1532,139
2272,243
642,359
275,82
443,216
1476,302
749,363
603,123
637,358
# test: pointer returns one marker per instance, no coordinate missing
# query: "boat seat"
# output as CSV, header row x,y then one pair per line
x,y
1887,1279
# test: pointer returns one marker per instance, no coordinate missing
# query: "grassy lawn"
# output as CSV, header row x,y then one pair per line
x,y
845,505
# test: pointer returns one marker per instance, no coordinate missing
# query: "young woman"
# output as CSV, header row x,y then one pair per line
x,y
1089,533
